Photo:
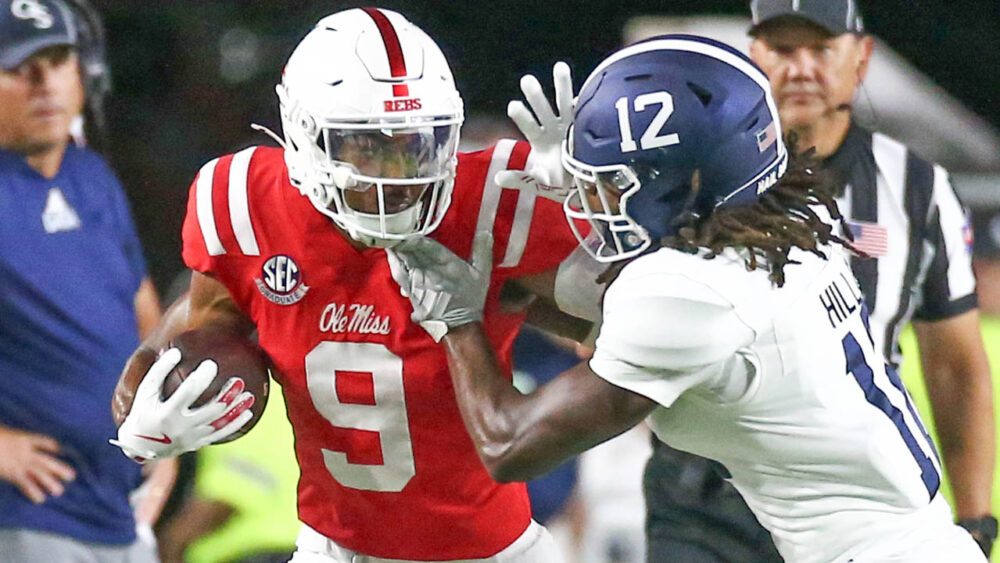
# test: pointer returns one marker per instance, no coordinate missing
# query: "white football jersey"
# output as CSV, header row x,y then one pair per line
x,y
783,387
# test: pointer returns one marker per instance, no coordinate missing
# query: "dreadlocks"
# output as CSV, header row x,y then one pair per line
x,y
782,218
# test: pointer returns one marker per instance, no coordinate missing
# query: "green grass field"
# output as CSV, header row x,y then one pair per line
x,y
914,381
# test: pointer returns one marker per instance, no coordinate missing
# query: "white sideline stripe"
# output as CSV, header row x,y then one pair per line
x,y
491,191
239,208
206,215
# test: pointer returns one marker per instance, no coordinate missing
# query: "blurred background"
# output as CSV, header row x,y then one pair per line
x,y
189,77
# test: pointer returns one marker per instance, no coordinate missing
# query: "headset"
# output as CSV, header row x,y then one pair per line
x,y
94,70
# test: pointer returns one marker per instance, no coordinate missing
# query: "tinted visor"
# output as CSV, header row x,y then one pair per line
x,y
394,198
387,154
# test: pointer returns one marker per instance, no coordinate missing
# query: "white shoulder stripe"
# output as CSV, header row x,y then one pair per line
x,y
521,226
206,214
519,231
890,193
890,160
491,191
953,224
239,209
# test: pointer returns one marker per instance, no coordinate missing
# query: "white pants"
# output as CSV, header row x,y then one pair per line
x,y
933,540
33,546
954,545
534,546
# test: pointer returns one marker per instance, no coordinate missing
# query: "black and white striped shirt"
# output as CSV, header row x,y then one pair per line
x,y
925,268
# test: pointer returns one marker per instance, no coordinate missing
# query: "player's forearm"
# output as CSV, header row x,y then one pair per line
x,y
544,315
959,386
485,397
964,414
515,435
173,322
207,304
519,437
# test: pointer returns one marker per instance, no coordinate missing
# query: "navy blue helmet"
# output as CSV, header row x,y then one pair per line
x,y
674,126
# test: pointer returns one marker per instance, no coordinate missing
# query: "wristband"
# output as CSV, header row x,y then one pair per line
x,y
983,530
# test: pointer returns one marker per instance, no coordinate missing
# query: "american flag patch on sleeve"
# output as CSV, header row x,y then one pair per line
x,y
968,234
870,238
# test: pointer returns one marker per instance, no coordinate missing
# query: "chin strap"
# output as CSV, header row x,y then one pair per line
x,y
269,133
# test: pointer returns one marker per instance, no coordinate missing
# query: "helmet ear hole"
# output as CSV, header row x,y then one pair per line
x,y
307,123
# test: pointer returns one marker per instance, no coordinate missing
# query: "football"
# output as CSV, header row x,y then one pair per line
x,y
235,355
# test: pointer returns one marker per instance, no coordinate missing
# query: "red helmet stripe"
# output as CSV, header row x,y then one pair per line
x,y
397,65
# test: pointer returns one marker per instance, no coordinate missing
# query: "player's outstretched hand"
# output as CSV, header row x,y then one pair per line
x,y
445,290
29,463
544,175
158,428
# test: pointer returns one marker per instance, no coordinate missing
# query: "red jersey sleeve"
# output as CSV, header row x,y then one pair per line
x,y
532,234
537,242
222,223
222,233
195,250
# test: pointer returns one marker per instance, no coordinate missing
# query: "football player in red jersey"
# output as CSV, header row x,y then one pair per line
x,y
371,119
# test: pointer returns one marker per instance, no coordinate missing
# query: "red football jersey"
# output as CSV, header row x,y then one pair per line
x,y
388,469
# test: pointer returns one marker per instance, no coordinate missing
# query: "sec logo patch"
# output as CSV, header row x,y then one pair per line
x,y
281,281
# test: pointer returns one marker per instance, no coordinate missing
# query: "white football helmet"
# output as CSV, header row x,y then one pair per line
x,y
371,119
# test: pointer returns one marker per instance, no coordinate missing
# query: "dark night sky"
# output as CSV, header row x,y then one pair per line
x,y
490,44
170,112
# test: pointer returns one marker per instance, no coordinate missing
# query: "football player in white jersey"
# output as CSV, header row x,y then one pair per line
x,y
732,323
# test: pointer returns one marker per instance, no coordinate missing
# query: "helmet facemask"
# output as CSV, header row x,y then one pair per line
x,y
601,198
383,180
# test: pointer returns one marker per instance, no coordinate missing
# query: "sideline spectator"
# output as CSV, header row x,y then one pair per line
x,y
75,300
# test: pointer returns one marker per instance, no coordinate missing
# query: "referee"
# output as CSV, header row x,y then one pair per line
x,y
902,211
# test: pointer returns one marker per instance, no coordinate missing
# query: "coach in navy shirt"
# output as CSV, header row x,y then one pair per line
x,y
73,297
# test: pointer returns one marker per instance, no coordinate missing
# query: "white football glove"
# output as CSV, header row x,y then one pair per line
x,y
445,290
544,174
156,429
